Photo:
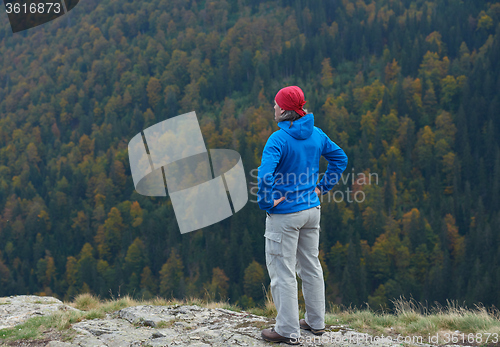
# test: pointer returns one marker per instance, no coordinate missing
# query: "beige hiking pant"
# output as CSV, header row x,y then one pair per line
x,y
292,245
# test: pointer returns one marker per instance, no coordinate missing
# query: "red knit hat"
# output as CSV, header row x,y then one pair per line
x,y
291,98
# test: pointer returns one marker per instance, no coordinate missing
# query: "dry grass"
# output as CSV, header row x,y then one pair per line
x,y
269,309
408,318
266,310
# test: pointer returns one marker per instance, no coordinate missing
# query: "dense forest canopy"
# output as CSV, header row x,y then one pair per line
x,y
409,90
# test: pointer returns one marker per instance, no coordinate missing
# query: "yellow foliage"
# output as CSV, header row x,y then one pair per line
x,y
326,74
431,65
456,245
391,71
136,213
368,123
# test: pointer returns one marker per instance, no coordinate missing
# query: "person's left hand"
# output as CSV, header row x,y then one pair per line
x,y
277,201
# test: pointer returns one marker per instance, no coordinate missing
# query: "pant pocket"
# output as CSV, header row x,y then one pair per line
x,y
273,243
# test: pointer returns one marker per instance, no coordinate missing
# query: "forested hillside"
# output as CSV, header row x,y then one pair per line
x,y
409,89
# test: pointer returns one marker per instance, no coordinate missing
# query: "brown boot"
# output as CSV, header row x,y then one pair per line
x,y
306,326
271,335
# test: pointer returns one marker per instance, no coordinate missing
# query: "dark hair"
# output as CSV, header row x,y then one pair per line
x,y
291,116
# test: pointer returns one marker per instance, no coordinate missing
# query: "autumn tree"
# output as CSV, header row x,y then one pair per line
x,y
172,276
253,281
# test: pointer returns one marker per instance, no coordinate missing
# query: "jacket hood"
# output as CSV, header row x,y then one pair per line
x,y
301,128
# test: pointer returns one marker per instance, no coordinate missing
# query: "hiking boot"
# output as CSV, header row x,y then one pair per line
x,y
271,335
306,326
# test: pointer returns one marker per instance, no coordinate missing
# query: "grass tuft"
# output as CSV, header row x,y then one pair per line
x,y
410,318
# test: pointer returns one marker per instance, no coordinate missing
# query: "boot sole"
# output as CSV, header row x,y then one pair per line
x,y
315,332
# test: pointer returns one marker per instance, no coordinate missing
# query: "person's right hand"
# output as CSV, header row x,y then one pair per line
x,y
317,191
277,201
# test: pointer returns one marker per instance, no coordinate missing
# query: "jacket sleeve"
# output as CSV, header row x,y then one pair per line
x,y
337,162
266,176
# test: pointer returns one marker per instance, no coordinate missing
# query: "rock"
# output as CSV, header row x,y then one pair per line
x,y
60,344
175,325
17,309
156,335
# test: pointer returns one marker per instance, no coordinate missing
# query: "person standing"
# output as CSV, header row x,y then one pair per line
x,y
288,192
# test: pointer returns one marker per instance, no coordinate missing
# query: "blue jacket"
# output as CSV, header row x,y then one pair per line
x,y
290,166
